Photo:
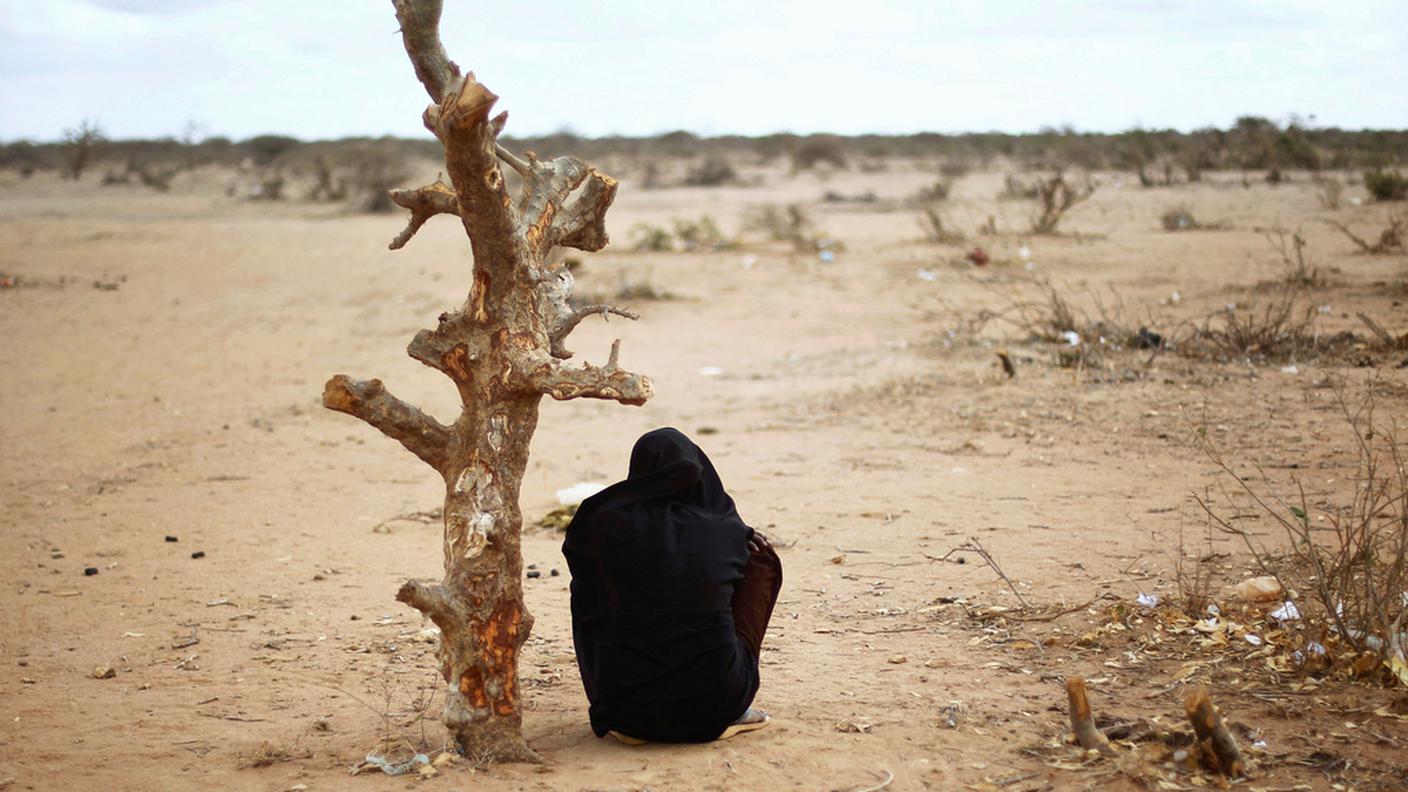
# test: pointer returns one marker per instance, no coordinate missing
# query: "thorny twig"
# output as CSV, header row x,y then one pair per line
x,y
976,547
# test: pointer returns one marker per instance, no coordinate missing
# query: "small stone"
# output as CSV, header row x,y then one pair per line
x,y
838,559
90,571
898,660
533,573
198,554
104,672
172,539
355,617
552,572
427,771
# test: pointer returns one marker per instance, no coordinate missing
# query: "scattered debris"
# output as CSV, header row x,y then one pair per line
x,y
104,672
375,762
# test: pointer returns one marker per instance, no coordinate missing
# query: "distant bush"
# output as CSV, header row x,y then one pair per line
x,y
712,172
1386,185
814,151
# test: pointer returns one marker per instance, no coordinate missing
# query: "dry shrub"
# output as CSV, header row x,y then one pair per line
x,y
818,150
268,753
634,288
1351,564
1015,188
1297,266
685,235
374,173
1280,329
934,228
1393,239
1181,219
937,192
1329,191
712,172
1058,196
785,224
79,144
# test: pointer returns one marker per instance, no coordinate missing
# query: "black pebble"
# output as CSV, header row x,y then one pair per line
x,y
198,554
533,573
172,539
552,573
90,571
355,617
532,566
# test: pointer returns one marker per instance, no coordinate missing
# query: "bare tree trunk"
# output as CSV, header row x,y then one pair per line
x,y
503,349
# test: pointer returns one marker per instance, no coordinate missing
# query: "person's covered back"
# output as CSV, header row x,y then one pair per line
x,y
654,561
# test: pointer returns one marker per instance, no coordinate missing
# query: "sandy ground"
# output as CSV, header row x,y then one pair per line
x,y
182,399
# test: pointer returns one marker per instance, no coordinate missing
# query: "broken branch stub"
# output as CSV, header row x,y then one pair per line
x,y
1218,746
503,350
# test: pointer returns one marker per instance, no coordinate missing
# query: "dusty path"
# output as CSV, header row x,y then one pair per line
x,y
185,402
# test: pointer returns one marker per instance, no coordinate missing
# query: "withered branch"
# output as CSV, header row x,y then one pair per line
x,y
420,31
552,377
424,202
369,400
569,323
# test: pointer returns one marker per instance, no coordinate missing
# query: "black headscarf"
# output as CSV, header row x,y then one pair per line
x,y
655,560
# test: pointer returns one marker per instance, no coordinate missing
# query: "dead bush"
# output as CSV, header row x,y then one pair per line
x,y
936,192
785,224
934,228
374,173
1297,266
1329,191
712,172
80,142
702,234
1280,329
1057,196
1345,568
1181,219
816,151
1393,239
1015,188
629,288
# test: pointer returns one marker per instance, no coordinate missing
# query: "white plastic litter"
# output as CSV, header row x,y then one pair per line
x,y
748,261
827,256
1254,640
398,769
1025,252
710,371
1287,612
1071,337
1291,369
1147,600
575,494
928,275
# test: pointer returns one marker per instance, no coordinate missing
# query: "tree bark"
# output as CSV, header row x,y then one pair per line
x,y
503,349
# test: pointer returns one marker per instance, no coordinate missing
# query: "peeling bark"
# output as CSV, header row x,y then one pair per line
x,y
503,350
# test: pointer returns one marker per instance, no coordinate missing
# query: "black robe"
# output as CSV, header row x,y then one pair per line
x,y
654,562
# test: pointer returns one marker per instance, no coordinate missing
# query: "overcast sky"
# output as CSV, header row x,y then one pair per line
x,y
333,68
